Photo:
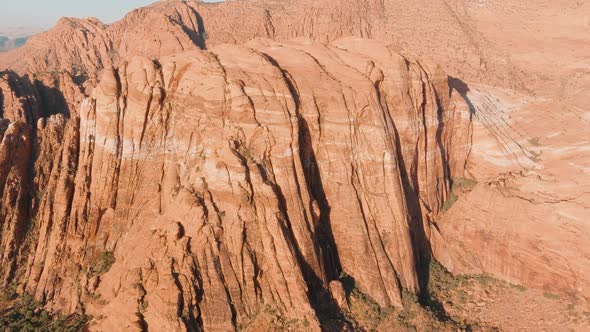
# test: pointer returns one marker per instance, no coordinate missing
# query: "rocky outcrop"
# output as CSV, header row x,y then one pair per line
x,y
525,219
179,170
84,47
221,183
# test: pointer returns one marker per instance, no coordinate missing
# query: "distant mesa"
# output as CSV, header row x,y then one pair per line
x,y
15,37
7,43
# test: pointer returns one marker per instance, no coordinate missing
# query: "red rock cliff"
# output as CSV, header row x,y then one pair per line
x,y
217,182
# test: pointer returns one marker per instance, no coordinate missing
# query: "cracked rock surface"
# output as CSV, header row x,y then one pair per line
x,y
228,180
195,166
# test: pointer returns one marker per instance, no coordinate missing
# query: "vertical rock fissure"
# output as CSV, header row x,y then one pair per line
x,y
282,218
1,105
411,199
25,225
190,322
120,125
323,238
441,146
21,216
198,35
420,243
251,252
230,300
354,183
199,292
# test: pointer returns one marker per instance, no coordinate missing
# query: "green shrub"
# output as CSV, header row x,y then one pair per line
x,y
440,279
518,287
551,296
463,184
25,314
104,263
453,198
459,185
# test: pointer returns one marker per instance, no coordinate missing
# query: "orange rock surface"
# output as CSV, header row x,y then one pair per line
x,y
194,165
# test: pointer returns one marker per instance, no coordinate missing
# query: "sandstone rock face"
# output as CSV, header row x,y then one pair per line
x,y
84,47
195,165
229,180
339,294
527,219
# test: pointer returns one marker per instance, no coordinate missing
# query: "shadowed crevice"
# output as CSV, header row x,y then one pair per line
x,y
322,236
199,37
463,89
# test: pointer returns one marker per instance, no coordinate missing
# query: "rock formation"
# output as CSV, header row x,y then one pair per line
x,y
228,180
195,165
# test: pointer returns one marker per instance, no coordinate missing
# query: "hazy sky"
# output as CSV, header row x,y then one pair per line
x,y
45,13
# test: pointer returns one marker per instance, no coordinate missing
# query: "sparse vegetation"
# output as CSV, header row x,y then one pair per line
x,y
453,198
104,263
365,311
273,319
424,312
460,185
551,296
534,141
144,306
518,287
442,281
464,184
9,293
25,314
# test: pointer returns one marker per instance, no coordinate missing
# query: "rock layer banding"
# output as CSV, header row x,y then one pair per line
x,y
222,174
228,180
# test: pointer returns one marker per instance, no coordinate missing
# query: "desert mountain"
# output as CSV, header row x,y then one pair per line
x,y
206,166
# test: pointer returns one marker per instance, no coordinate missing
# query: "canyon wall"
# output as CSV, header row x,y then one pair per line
x,y
226,181
194,165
